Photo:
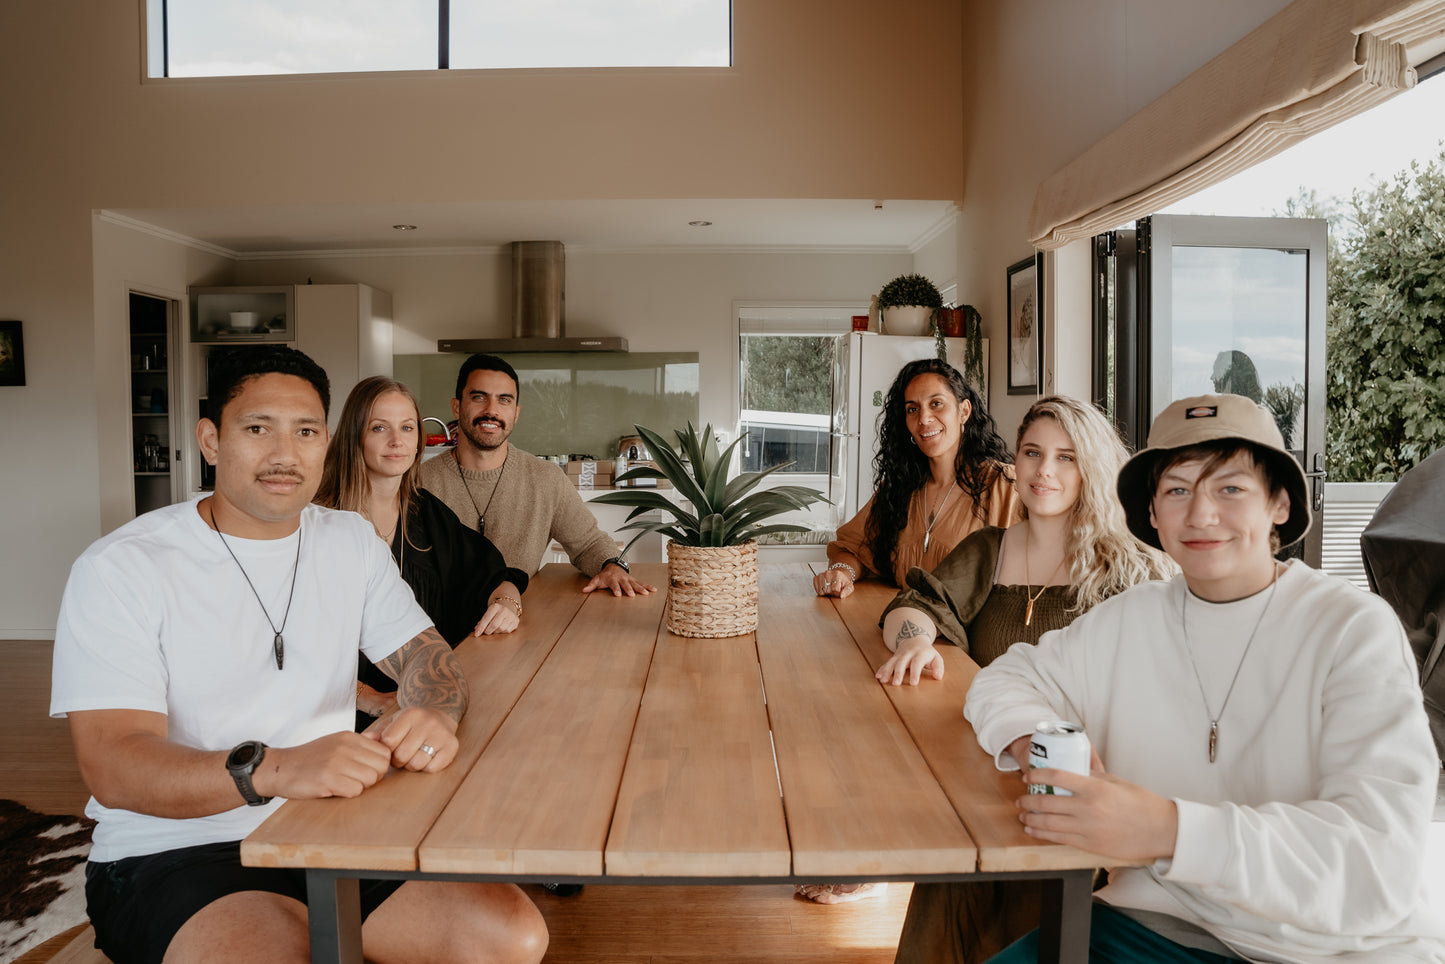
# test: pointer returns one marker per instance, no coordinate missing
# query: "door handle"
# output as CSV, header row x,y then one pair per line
x,y
1319,473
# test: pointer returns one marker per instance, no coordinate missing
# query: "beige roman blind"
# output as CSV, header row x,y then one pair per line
x,y
1310,66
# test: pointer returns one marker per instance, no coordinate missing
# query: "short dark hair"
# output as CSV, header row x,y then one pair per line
x,y
485,363
1214,454
228,371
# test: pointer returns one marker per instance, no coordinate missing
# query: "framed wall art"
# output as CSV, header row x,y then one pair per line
x,y
1025,326
12,354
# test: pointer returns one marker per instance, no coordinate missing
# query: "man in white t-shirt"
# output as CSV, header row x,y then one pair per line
x,y
1268,759
205,655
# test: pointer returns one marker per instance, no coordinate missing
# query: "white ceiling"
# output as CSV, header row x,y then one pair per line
x,y
259,232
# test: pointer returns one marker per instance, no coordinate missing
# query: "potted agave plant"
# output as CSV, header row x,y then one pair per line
x,y
712,558
907,304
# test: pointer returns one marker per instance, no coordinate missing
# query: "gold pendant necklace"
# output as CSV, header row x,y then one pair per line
x,y
1034,597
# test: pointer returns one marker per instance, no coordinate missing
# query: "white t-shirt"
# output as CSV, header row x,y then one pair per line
x,y
158,617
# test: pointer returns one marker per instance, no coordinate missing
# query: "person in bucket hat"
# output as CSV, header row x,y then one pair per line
x,y
1261,751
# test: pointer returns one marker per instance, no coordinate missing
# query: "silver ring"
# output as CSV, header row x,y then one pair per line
x,y
428,750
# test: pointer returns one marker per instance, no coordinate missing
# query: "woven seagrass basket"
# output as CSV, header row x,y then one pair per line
x,y
712,591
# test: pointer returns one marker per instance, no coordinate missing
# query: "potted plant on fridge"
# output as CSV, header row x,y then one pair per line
x,y
908,303
962,322
712,558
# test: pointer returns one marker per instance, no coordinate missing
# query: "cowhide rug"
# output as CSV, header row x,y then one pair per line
x,y
42,876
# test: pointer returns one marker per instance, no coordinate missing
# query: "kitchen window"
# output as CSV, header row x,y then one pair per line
x,y
244,38
787,363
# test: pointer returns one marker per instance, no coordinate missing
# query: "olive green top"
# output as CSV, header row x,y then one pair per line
x,y
982,618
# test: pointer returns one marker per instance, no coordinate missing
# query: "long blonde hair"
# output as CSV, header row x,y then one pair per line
x,y
344,482
1104,557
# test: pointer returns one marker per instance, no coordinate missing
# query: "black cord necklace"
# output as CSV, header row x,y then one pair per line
x,y
481,513
278,644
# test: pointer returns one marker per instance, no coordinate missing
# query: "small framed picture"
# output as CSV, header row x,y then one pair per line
x,y
12,354
1025,326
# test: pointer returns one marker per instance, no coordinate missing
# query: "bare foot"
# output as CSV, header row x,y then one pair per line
x,y
839,893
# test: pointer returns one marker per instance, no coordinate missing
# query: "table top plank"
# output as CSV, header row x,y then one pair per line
x,y
700,794
382,828
539,799
933,712
858,795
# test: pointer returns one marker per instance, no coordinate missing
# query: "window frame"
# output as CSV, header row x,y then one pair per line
x,y
806,318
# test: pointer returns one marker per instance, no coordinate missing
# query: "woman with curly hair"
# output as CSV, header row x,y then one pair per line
x,y
999,587
943,472
459,578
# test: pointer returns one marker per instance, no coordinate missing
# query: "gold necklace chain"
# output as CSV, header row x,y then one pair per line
x,y
1034,597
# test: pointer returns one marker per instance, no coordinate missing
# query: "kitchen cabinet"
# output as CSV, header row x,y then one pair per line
x,y
344,328
153,331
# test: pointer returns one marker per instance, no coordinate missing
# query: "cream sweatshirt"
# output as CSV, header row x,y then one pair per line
x,y
1304,842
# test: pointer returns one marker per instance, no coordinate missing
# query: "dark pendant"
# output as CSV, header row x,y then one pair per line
x,y
1213,738
278,646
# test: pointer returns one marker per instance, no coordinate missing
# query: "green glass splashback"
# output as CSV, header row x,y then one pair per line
x,y
574,402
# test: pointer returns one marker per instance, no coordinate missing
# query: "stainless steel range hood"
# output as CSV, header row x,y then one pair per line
x,y
538,308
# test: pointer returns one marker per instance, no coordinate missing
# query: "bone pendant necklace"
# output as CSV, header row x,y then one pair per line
x,y
1216,717
934,518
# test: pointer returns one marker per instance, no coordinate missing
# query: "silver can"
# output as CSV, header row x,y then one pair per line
x,y
1059,745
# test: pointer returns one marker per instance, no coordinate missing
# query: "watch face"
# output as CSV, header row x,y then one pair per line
x,y
243,755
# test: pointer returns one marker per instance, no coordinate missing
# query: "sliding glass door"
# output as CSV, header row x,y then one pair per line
x,y
1217,305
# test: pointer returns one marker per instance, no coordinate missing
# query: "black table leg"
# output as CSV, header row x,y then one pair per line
x,y
333,907
1064,925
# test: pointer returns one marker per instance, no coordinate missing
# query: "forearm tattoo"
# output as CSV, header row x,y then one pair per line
x,y
910,629
427,674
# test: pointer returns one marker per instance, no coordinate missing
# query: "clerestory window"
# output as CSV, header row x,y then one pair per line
x,y
239,38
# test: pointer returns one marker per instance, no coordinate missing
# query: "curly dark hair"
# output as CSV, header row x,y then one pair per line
x,y
901,469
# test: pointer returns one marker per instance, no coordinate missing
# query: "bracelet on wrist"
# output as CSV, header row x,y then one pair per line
x,y
852,573
516,603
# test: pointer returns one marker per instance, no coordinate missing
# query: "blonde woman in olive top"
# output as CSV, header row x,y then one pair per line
x,y
1000,587
943,472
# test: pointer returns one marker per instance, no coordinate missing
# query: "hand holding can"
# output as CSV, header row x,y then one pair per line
x,y
1058,745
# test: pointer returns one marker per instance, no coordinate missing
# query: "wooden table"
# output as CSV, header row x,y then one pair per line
x,y
600,748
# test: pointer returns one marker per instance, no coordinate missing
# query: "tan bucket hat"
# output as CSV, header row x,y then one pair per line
x,y
1206,418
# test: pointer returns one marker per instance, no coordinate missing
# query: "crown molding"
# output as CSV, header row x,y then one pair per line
x,y
174,237
945,223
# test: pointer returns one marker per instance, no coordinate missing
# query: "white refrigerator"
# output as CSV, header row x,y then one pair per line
x,y
863,370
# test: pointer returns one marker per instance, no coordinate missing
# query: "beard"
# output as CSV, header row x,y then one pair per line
x,y
473,433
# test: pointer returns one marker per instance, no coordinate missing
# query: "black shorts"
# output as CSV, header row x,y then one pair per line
x,y
137,904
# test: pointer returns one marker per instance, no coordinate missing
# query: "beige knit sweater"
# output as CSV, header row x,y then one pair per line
x,y
527,503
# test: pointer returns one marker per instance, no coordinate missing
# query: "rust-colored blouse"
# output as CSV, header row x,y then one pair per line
x,y
1001,507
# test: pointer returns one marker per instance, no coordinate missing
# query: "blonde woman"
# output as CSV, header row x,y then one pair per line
x,y
458,576
999,587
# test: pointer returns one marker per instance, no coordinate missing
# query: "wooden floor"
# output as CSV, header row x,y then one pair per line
x,y
617,925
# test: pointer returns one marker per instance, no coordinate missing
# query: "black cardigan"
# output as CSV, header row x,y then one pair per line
x,y
452,569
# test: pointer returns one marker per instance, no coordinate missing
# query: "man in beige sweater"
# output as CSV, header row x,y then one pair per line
x,y
515,499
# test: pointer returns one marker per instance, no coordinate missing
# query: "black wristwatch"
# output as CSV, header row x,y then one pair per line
x,y
242,761
617,561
